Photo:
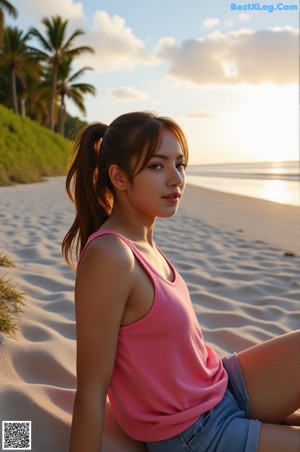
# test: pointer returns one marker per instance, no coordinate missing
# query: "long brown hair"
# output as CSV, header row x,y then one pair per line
x,y
98,146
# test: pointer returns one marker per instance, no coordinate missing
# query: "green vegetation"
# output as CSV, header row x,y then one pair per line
x,y
7,7
68,87
57,49
11,301
72,125
38,81
28,151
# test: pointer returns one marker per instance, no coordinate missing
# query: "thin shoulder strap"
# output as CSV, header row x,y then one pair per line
x,y
150,270
133,248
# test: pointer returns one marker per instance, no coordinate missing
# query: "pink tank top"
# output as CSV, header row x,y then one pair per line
x,y
165,376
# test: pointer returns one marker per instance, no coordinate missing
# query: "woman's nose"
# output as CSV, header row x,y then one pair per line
x,y
176,177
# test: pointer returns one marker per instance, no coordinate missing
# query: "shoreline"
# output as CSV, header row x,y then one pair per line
x,y
258,219
274,190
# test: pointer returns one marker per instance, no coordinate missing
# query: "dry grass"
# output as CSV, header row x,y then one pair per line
x,y
11,301
5,261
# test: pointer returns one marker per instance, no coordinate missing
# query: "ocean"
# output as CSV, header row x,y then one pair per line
x,y
273,181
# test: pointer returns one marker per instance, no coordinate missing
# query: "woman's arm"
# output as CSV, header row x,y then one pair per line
x,y
103,286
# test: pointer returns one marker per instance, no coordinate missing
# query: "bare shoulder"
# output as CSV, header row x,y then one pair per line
x,y
104,279
107,253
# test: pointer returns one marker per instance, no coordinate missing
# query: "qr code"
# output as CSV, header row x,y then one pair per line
x,y
16,435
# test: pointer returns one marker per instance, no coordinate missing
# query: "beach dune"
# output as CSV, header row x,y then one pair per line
x,y
239,256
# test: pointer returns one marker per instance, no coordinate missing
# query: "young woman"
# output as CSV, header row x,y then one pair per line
x,y
138,339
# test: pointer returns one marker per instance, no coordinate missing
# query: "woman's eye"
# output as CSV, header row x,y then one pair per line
x,y
155,166
181,166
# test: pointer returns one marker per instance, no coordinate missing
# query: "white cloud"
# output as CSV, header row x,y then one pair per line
x,y
204,115
229,23
246,56
115,45
210,22
234,21
243,17
37,9
127,93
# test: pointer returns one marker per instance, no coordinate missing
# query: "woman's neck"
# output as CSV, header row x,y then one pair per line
x,y
131,225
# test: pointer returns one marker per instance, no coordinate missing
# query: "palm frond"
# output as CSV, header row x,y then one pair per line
x,y
74,35
42,41
84,88
78,51
8,7
79,73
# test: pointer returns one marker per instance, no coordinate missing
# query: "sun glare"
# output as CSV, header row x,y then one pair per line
x,y
276,190
276,170
267,124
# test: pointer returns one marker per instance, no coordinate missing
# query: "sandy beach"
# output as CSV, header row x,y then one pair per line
x,y
240,257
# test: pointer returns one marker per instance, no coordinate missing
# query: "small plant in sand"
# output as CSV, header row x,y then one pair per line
x,y
5,261
11,301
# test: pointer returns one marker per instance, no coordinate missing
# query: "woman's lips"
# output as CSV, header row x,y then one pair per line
x,y
173,197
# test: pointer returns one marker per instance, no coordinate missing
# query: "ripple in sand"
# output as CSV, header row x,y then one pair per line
x,y
36,333
38,366
47,283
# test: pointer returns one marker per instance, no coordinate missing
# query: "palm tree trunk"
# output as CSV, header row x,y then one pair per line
x,y
63,120
23,107
52,97
62,115
1,26
14,90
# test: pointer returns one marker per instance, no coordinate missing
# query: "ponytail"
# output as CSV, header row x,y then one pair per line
x,y
89,192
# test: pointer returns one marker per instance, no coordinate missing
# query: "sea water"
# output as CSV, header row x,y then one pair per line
x,y
273,181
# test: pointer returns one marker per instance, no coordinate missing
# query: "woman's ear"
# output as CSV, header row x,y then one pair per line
x,y
118,177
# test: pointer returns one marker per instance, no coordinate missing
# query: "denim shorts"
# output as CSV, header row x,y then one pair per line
x,y
225,428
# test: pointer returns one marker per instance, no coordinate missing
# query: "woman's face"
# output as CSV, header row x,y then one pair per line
x,y
157,189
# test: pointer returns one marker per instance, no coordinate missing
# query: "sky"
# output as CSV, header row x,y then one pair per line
x,y
227,72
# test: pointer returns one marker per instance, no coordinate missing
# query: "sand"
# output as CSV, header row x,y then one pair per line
x,y
230,250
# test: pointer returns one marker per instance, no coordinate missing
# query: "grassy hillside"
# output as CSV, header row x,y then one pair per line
x,y
28,151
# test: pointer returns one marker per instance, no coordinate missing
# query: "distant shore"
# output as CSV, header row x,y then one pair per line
x,y
272,181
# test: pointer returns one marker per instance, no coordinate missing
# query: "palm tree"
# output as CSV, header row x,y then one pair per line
x,y
36,96
5,5
69,87
56,46
17,59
